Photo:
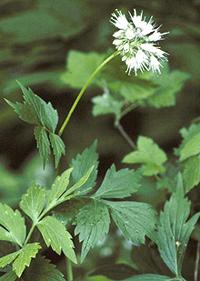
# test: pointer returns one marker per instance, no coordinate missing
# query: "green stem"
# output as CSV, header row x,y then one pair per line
x,y
82,91
30,233
69,270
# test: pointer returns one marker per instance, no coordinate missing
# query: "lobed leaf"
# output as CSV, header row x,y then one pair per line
x,y
92,224
58,147
134,219
33,202
56,236
43,143
12,226
81,165
149,155
118,184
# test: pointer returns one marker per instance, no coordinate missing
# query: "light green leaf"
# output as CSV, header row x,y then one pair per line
x,y
92,224
118,184
191,172
191,147
59,187
168,85
42,270
151,277
28,252
134,219
33,202
12,226
8,259
107,104
58,147
56,236
81,165
149,155
80,66
174,230
43,143
10,276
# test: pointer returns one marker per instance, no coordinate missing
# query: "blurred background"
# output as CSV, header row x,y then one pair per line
x,y
35,38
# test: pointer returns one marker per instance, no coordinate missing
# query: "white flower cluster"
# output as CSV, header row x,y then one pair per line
x,y
137,42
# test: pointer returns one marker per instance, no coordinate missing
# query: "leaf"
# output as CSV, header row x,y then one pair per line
x,y
92,224
12,227
190,145
191,148
42,270
149,155
43,144
169,84
58,147
10,276
107,104
150,277
56,236
191,172
59,187
134,219
174,230
118,184
81,165
39,112
28,252
8,259
33,202
80,66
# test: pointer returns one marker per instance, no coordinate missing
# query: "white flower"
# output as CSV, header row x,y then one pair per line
x,y
137,41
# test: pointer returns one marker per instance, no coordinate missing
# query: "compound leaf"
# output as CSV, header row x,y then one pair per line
x,y
58,147
191,172
43,143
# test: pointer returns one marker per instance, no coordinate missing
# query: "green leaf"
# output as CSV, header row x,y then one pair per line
x,y
56,236
58,147
191,172
28,252
190,144
42,270
168,85
59,187
8,259
12,226
43,143
80,66
107,104
134,219
81,165
150,277
39,112
118,184
33,202
149,155
174,230
191,148
92,224
10,276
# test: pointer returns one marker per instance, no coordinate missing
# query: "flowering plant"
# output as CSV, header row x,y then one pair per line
x,y
48,216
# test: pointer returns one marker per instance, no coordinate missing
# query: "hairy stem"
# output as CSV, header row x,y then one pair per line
x,y
196,269
125,135
82,91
